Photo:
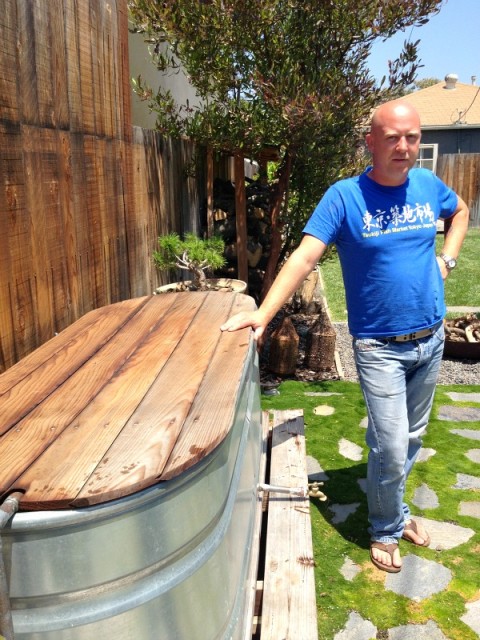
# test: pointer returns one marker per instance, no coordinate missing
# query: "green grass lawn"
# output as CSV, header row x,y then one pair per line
x,y
334,543
462,287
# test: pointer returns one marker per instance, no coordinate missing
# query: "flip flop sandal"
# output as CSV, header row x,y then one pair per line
x,y
412,526
389,548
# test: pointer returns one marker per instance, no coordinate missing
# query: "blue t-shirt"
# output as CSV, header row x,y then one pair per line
x,y
385,237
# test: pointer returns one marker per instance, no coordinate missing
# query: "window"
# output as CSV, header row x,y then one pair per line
x,y
427,157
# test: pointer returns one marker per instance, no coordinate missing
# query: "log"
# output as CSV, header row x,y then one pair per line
x,y
320,344
283,352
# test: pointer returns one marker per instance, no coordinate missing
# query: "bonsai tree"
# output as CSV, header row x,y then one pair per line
x,y
191,254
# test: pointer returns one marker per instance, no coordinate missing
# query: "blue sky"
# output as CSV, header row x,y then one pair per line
x,y
450,43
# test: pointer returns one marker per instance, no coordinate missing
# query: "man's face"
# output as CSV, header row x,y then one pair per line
x,y
393,141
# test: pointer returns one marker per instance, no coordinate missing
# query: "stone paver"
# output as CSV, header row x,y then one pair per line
x,y
315,472
364,422
444,535
357,629
362,483
464,481
419,578
342,511
471,509
467,433
425,454
321,394
324,410
472,617
473,455
429,631
425,498
350,450
349,569
459,414
464,397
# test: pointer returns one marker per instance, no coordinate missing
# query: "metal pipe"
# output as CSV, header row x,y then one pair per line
x,y
293,491
7,510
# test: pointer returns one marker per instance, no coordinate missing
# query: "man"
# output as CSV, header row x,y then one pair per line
x,y
383,223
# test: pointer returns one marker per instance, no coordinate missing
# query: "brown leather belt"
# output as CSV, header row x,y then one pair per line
x,y
416,335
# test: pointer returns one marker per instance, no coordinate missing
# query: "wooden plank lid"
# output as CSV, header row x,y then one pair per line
x,y
127,396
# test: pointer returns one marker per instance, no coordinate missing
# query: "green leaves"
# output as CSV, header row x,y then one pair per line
x,y
288,73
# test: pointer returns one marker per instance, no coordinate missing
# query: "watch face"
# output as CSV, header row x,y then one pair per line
x,y
450,262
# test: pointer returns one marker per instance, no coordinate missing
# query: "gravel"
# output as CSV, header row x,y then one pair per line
x,y
452,371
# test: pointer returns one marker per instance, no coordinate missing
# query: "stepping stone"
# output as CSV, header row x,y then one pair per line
x,y
473,455
357,629
429,631
349,569
419,578
321,394
364,422
472,617
444,535
464,481
464,397
425,498
342,511
425,454
350,450
467,433
459,414
315,472
362,483
324,410
471,509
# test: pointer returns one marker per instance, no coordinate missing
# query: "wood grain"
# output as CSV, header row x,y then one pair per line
x,y
289,604
132,394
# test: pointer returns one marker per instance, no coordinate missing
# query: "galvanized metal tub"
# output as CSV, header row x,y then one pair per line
x,y
171,562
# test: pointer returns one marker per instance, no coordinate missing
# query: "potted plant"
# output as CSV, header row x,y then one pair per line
x,y
197,256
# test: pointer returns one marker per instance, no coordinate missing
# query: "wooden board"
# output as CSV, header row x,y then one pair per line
x,y
289,608
131,394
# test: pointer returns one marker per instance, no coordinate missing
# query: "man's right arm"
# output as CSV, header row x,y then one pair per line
x,y
299,265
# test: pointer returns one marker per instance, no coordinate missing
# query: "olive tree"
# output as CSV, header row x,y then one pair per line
x,y
289,73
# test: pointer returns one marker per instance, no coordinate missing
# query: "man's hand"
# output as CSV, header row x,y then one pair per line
x,y
443,267
254,319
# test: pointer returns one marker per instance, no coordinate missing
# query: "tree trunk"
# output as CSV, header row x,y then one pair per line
x,y
276,246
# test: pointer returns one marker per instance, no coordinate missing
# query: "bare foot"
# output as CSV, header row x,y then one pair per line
x,y
386,556
416,533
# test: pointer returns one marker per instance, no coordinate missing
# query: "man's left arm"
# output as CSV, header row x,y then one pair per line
x,y
454,237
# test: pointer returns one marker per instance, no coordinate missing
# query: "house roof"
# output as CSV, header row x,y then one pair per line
x,y
447,104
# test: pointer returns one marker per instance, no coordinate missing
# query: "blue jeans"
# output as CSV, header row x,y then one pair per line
x,y
398,383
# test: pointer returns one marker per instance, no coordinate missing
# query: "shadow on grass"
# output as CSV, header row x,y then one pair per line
x,y
343,488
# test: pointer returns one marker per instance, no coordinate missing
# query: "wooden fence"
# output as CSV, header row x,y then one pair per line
x,y
461,171
84,194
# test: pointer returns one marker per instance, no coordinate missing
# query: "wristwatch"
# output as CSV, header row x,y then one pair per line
x,y
449,261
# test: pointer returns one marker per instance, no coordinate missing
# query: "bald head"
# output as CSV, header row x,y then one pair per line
x,y
393,141
395,111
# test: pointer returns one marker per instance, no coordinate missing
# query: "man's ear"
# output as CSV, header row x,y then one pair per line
x,y
369,141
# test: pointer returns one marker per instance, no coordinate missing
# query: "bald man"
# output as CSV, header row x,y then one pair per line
x,y
383,224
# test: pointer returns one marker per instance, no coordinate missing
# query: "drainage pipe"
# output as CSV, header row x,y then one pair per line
x,y
7,510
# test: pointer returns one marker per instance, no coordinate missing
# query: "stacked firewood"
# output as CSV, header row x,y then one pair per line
x,y
463,329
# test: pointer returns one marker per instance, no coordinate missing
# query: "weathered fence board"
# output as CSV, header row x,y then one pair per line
x,y
461,171
83,194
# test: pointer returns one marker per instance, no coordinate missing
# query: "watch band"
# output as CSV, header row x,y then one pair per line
x,y
450,262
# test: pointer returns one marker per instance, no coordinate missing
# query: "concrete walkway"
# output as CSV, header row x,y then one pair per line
x,y
420,578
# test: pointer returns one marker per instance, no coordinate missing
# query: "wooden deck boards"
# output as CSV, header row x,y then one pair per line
x,y
289,609
96,413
